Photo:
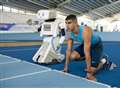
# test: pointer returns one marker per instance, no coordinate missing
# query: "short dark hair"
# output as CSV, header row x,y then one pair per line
x,y
71,17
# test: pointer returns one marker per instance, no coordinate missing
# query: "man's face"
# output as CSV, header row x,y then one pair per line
x,y
71,24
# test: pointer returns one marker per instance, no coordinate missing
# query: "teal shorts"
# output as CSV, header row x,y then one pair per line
x,y
96,51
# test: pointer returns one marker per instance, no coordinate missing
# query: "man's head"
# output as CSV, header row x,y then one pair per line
x,y
71,22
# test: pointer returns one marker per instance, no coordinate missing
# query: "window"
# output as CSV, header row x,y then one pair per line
x,y
21,11
14,10
5,8
0,7
28,13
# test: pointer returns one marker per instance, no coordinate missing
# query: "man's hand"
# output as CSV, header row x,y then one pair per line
x,y
66,70
89,76
91,70
91,73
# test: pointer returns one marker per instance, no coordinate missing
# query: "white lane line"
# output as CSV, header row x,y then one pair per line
x,y
23,75
1,55
9,62
37,65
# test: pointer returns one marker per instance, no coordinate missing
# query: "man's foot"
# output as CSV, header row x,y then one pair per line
x,y
107,64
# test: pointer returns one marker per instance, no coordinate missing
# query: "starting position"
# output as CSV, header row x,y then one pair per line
x,y
90,47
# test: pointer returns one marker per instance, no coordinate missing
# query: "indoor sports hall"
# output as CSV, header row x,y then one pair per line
x,y
34,43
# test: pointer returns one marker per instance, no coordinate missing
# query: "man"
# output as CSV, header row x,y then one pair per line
x,y
90,46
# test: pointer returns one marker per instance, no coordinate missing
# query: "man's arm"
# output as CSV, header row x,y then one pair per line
x,y
68,54
87,34
87,44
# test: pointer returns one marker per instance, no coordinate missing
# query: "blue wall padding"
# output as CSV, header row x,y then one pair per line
x,y
106,36
19,36
109,36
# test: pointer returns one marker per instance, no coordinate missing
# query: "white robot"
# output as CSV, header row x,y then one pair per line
x,y
53,34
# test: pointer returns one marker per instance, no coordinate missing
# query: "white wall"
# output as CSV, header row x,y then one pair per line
x,y
105,23
86,20
110,24
8,17
60,15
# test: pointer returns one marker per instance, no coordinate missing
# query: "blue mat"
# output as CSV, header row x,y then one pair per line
x,y
50,79
6,59
12,70
77,68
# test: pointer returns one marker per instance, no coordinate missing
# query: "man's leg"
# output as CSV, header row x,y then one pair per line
x,y
105,63
76,54
96,52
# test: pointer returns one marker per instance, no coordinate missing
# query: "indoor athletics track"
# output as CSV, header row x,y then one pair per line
x,y
18,70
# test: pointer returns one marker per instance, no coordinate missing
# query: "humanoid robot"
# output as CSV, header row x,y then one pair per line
x,y
53,33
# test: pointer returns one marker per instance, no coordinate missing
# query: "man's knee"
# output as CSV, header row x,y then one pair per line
x,y
75,55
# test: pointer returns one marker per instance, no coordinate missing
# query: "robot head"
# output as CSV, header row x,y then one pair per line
x,y
46,14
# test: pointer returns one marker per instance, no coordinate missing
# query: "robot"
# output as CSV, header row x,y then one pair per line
x,y
53,33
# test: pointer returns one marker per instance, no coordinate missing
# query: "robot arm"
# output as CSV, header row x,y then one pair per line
x,y
62,33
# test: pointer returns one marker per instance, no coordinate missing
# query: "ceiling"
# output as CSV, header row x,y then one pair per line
x,y
95,9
